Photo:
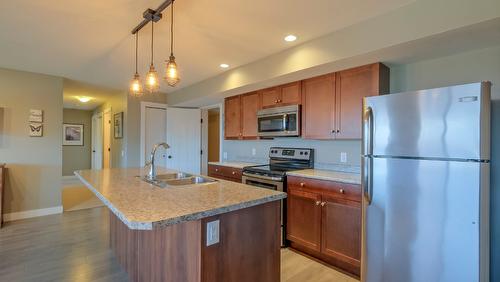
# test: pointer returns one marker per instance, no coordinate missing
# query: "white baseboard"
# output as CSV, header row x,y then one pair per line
x,y
32,213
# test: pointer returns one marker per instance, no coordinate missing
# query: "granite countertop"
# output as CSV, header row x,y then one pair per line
x,y
233,164
143,206
330,175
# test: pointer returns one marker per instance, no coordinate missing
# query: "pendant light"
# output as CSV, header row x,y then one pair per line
x,y
172,73
136,84
152,83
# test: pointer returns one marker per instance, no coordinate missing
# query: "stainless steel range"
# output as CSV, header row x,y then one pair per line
x,y
273,175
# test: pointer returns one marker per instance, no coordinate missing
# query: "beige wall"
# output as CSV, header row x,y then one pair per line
x,y
34,163
117,103
213,135
78,157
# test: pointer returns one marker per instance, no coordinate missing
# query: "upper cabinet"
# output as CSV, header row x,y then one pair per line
x,y
283,95
351,87
332,104
232,117
240,116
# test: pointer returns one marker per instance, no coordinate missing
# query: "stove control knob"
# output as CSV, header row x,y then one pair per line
x,y
306,153
301,153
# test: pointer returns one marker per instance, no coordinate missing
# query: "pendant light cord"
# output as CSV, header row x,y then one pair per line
x,y
136,44
152,41
172,30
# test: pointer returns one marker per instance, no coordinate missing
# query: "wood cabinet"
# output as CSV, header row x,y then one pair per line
x,y
352,86
232,117
318,107
2,183
225,172
283,95
240,116
332,104
324,221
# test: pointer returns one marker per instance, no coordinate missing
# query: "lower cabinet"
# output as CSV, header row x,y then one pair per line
x,y
324,221
224,172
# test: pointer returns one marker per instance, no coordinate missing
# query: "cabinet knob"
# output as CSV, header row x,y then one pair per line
x,y
276,101
216,169
318,202
323,204
341,191
302,184
279,100
234,172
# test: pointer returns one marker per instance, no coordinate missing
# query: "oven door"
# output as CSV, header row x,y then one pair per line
x,y
269,183
283,124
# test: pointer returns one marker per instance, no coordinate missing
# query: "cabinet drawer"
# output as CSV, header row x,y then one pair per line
x,y
225,172
335,189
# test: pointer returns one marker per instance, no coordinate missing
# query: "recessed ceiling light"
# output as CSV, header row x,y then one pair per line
x,y
84,99
290,38
224,66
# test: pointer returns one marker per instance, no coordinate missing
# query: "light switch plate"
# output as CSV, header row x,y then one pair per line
x,y
343,157
213,232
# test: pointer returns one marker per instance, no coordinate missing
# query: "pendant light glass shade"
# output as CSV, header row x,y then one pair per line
x,y
172,73
152,83
172,76
136,84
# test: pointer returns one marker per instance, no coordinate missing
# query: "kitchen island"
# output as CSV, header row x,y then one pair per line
x,y
216,231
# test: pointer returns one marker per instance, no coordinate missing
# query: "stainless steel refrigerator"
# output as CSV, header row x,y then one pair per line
x,y
425,174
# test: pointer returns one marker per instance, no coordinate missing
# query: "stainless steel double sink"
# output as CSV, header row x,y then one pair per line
x,y
177,179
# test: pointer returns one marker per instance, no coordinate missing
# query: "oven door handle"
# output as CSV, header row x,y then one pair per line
x,y
262,177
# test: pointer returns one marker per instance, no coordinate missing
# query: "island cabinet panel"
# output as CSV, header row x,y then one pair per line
x,y
250,104
318,106
339,221
351,87
224,172
232,117
249,247
304,218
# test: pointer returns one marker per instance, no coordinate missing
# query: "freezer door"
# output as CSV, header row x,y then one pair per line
x,y
423,221
451,122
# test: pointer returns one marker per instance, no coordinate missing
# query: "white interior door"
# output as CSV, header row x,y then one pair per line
x,y
184,138
97,141
106,163
155,132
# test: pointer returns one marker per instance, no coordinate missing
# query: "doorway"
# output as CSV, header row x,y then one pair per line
x,y
97,144
106,156
211,136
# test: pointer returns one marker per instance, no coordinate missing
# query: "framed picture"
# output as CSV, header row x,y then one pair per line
x,y
118,122
36,116
36,129
72,134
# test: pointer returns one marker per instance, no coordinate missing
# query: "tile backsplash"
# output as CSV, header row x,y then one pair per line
x,y
327,153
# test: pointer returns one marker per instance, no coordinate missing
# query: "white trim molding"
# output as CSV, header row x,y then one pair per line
x,y
68,180
32,213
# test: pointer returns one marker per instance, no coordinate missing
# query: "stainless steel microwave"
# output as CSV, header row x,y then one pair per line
x,y
280,121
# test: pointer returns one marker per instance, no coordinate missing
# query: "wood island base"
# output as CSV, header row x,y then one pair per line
x,y
248,249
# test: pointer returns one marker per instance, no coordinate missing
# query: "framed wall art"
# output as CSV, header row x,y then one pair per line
x,y
72,134
118,125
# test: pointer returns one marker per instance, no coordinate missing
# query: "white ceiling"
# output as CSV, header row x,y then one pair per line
x,y
74,89
90,40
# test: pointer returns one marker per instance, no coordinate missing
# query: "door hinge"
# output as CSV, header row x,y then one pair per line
x,y
201,152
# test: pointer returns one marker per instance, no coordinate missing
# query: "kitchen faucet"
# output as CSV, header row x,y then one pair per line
x,y
151,163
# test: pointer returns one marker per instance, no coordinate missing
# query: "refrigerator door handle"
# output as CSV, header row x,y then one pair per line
x,y
367,160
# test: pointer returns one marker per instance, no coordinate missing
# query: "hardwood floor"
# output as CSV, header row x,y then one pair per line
x,y
74,246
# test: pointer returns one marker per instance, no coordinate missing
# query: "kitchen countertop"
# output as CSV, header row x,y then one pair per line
x,y
233,164
330,175
143,206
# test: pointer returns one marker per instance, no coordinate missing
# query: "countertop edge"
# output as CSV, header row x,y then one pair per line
x,y
134,225
327,178
233,164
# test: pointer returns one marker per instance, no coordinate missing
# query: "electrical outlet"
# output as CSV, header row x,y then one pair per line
x,y
224,155
254,151
213,232
343,157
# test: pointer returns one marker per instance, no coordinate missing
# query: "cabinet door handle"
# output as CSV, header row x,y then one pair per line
x,y
333,130
318,202
323,204
338,130
234,172
302,184
217,169
341,191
